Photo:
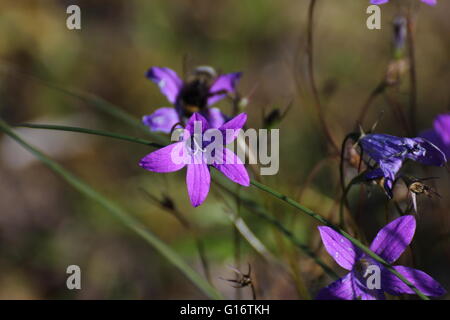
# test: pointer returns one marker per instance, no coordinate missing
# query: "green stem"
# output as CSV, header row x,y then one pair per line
x,y
117,211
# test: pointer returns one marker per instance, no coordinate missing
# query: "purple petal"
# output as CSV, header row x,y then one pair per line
x,y
341,289
388,169
163,119
198,180
432,136
440,134
378,1
422,281
339,248
232,127
232,167
167,159
349,288
383,146
223,84
197,120
430,2
432,155
393,238
442,127
215,117
364,293
167,80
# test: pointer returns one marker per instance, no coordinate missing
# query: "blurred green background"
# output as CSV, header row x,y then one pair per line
x,y
45,225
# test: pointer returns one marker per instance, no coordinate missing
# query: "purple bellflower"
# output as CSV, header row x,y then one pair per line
x,y
389,244
201,90
429,2
440,133
194,152
389,153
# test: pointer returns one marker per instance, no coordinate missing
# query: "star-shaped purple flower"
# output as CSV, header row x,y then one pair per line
x,y
194,152
389,244
440,133
429,2
389,153
197,94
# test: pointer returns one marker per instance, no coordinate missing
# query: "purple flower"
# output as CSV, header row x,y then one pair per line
x,y
389,244
197,94
389,153
429,2
194,152
440,133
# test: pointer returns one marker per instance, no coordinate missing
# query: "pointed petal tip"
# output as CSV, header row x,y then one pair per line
x,y
196,116
421,280
232,167
392,240
198,181
195,204
141,164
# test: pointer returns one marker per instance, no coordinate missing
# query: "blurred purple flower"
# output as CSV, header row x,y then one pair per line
x,y
440,133
197,94
192,153
389,244
389,153
429,2
400,32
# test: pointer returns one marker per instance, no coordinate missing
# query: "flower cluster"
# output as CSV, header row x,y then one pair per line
x,y
389,152
384,155
389,244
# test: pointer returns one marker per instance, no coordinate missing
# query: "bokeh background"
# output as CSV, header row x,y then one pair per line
x,y
45,225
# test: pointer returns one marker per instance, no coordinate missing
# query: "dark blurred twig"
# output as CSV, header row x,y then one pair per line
x,y
412,73
311,75
397,110
368,103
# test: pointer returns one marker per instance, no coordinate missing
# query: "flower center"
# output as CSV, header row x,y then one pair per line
x,y
361,267
194,145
